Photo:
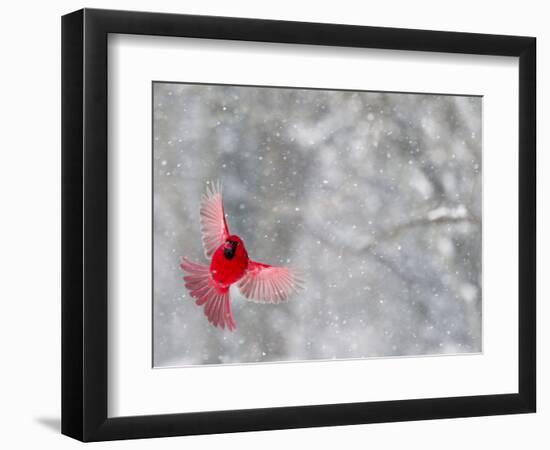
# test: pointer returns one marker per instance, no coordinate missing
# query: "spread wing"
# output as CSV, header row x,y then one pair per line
x,y
263,283
213,226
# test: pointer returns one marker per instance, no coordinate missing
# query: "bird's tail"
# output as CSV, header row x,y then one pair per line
x,y
205,291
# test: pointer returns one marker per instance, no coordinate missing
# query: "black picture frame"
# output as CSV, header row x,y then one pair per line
x,y
84,224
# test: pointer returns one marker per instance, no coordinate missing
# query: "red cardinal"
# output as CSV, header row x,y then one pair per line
x,y
229,263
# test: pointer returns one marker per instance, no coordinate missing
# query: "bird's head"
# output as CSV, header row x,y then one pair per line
x,y
233,246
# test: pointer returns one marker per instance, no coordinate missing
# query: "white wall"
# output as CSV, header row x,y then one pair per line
x,y
30,236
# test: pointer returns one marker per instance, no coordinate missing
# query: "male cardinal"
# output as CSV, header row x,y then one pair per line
x,y
229,264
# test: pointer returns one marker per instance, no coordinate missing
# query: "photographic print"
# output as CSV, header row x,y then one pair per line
x,y
297,224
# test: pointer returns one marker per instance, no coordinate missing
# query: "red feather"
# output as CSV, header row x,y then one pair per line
x,y
213,225
263,283
208,292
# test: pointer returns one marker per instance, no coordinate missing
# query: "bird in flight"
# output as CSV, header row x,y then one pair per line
x,y
229,264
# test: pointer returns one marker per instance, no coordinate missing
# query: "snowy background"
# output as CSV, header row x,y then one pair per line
x,y
375,197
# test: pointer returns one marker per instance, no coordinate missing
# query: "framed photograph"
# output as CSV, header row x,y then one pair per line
x,y
273,224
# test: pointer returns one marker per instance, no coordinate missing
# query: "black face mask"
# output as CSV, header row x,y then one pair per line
x,y
228,253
